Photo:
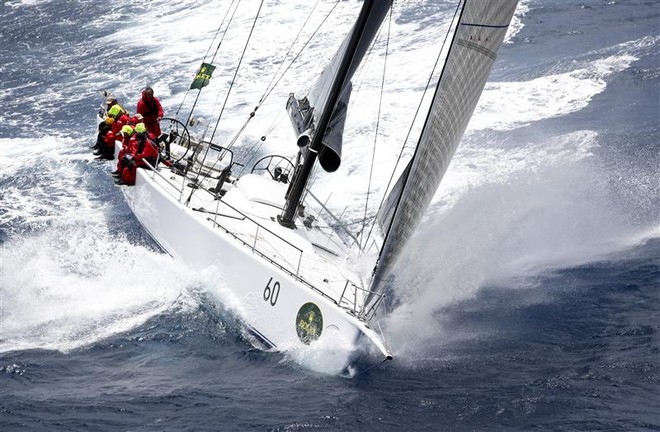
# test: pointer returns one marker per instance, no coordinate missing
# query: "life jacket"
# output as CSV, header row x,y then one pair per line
x,y
132,146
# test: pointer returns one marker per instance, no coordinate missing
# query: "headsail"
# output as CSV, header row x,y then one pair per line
x,y
479,33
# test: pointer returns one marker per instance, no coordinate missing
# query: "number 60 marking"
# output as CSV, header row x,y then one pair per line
x,y
272,293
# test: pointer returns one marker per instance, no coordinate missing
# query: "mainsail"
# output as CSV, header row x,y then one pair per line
x,y
479,33
323,113
319,95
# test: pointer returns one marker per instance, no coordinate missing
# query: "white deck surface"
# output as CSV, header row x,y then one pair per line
x,y
258,199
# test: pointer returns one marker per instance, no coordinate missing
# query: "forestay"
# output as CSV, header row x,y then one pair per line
x,y
479,33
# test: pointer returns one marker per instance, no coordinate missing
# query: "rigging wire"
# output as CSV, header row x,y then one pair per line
x,y
215,54
240,61
380,104
226,29
219,92
269,88
176,114
231,85
419,106
302,48
364,65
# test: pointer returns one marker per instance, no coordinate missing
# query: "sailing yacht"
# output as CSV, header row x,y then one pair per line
x,y
283,257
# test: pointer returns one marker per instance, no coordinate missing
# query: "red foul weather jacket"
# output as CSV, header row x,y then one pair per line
x,y
151,110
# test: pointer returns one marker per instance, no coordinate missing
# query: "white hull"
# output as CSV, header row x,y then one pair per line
x,y
272,272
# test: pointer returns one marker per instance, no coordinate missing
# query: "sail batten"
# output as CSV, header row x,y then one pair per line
x,y
479,33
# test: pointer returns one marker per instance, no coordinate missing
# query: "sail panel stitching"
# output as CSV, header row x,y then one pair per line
x,y
476,47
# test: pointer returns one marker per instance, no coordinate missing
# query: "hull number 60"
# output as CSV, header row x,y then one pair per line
x,y
272,292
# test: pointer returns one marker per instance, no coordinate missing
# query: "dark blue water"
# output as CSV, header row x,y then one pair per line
x,y
585,358
532,300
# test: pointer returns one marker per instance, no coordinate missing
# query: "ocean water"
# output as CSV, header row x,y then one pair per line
x,y
529,299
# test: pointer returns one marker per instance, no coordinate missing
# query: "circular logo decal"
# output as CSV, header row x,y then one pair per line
x,y
309,323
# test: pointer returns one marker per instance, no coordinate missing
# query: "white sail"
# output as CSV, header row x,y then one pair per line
x,y
479,33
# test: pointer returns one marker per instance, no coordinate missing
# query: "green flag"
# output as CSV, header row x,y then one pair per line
x,y
203,76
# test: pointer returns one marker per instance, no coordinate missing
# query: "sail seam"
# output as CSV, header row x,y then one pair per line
x,y
484,25
476,47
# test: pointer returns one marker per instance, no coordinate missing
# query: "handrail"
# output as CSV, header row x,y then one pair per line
x,y
156,171
332,215
290,273
203,210
359,313
272,261
259,225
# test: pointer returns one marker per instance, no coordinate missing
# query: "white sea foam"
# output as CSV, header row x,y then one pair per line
x,y
70,282
328,355
43,180
534,209
517,22
475,165
21,3
70,286
509,105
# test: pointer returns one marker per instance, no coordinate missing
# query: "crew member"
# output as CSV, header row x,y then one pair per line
x,y
117,118
145,149
135,119
127,144
151,110
103,126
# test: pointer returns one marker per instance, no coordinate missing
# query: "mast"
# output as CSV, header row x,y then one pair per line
x,y
478,35
363,32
